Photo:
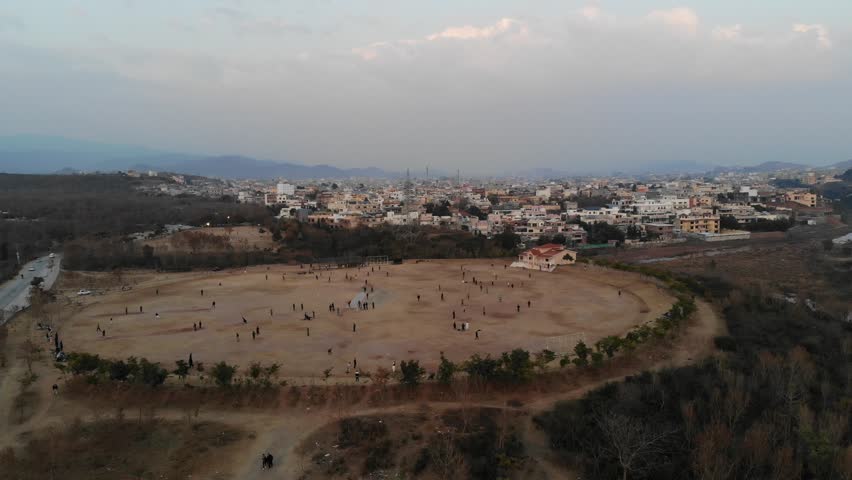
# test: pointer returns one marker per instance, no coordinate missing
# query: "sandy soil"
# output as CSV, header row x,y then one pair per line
x,y
573,302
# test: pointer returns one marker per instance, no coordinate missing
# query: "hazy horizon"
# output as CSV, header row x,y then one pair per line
x,y
490,86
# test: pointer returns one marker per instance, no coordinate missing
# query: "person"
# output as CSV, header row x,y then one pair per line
x,y
619,293
329,351
357,375
529,304
103,333
190,359
442,296
477,333
125,310
455,327
519,308
99,328
157,291
199,324
194,327
157,315
393,367
269,463
140,308
202,292
308,331
454,316
302,306
252,335
270,312
214,304
257,329
55,389
353,327
294,307
374,305
355,363
238,336
245,321
418,298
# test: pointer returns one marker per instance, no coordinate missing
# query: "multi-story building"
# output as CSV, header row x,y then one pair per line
x,y
698,224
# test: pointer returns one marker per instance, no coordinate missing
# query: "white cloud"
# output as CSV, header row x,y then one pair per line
x,y
681,18
822,38
591,12
468,32
732,32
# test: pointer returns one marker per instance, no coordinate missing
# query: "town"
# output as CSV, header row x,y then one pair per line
x,y
580,213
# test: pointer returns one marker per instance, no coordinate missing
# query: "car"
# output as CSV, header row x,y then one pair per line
x,y
32,269
52,255
84,292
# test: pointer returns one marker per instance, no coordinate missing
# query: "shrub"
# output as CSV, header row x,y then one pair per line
x,y
446,370
726,344
411,372
223,374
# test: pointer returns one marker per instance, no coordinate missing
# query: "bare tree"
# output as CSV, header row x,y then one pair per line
x,y
446,455
632,442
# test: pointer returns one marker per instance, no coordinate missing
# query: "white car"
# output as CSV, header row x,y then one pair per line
x,y
32,269
84,292
52,255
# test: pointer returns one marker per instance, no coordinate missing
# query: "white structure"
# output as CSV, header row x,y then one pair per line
x,y
285,189
545,258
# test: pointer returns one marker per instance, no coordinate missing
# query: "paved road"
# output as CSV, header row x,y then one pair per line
x,y
14,294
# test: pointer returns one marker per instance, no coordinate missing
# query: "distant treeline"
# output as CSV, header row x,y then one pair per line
x,y
298,242
41,211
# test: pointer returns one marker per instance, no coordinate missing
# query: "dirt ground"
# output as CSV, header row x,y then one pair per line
x,y
281,427
239,238
572,303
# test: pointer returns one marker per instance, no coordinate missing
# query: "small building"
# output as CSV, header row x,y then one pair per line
x,y
545,258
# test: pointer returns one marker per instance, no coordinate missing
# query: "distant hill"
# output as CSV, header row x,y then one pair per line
x,y
842,165
44,154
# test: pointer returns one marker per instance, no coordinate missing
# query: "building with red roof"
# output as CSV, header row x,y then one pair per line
x,y
545,257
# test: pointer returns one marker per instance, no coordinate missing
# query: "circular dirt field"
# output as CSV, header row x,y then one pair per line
x,y
572,303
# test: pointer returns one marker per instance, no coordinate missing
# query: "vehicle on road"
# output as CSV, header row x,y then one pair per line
x,y
84,292
52,255
32,269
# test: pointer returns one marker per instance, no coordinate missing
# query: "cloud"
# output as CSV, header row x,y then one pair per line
x,y
468,32
587,89
819,30
680,18
732,32
240,22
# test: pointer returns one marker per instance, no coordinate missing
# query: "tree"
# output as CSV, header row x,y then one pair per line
x,y
728,222
182,369
517,365
119,371
631,442
151,374
582,352
481,368
223,374
411,372
446,370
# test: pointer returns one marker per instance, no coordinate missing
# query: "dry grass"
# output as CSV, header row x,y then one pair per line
x,y
122,449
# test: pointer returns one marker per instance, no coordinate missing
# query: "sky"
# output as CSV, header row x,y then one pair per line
x,y
487,86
